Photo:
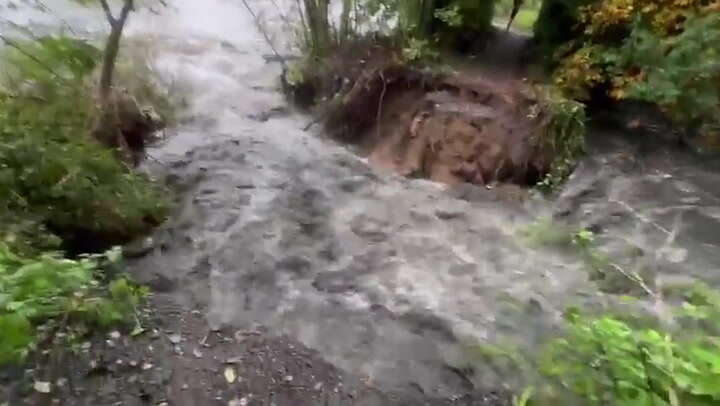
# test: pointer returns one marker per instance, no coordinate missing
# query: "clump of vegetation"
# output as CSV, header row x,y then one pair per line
x,y
55,293
53,174
63,187
563,133
608,360
667,357
666,53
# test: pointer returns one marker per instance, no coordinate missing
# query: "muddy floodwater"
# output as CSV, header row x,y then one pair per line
x,y
390,280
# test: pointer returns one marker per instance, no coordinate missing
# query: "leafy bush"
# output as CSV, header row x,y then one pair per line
x,y
50,290
53,175
606,360
667,53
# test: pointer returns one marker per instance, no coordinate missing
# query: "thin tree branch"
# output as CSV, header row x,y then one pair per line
x,y
263,32
108,13
128,6
633,276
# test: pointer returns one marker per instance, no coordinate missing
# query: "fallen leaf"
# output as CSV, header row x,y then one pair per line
x,y
230,375
138,330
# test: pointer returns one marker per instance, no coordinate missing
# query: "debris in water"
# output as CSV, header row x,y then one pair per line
x,y
138,330
238,402
230,374
42,387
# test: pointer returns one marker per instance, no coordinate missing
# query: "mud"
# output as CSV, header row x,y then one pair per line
x,y
456,128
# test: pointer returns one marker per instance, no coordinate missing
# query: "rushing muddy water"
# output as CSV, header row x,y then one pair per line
x,y
388,278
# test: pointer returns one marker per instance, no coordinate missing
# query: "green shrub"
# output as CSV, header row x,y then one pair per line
x,y
679,73
58,293
608,361
663,53
53,174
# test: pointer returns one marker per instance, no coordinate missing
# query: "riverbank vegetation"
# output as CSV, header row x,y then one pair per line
x,y
663,53
67,189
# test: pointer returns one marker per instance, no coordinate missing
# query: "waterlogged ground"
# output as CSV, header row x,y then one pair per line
x,y
318,280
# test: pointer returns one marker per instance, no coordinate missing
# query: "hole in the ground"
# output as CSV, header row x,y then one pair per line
x,y
455,129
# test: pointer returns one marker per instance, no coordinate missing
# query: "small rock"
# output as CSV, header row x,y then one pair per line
x,y
184,386
233,360
197,353
175,338
288,378
147,366
115,335
318,386
42,387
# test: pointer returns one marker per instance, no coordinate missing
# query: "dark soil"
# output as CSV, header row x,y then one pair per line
x,y
180,362
470,126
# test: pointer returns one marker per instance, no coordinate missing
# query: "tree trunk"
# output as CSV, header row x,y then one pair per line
x,y
112,47
107,129
345,24
317,17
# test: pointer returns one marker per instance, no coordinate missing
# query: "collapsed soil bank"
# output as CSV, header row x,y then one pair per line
x,y
456,128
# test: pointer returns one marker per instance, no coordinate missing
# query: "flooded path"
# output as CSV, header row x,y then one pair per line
x,y
391,280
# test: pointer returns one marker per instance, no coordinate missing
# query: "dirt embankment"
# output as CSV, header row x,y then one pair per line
x,y
458,128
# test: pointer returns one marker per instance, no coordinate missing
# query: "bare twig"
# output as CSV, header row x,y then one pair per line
x,y
280,13
641,217
380,104
108,12
264,33
305,27
635,278
128,6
